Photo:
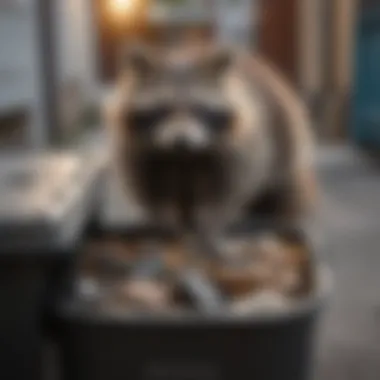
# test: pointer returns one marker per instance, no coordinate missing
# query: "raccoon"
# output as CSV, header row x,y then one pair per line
x,y
206,136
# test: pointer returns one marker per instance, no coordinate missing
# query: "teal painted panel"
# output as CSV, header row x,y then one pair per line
x,y
366,99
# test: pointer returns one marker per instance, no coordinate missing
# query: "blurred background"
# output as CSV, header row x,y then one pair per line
x,y
58,59
58,56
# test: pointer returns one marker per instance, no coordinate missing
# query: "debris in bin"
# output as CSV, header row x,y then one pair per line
x,y
147,267
290,265
236,280
195,289
146,294
268,272
112,267
88,289
263,300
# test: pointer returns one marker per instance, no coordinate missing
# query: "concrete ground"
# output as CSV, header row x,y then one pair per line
x,y
349,344
349,332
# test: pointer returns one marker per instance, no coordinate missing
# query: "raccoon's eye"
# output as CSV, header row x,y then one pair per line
x,y
145,119
214,118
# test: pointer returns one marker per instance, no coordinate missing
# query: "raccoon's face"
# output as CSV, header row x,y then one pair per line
x,y
184,119
180,103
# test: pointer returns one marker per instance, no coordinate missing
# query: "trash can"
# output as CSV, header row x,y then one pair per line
x,y
100,343
44,205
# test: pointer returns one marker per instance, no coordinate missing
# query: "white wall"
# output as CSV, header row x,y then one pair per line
x,y
19,66
234,20
15,59
75,47
20,58
76,61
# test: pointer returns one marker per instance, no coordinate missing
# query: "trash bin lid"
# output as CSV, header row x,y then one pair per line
x,y
41,196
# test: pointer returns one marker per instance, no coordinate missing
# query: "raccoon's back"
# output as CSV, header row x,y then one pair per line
x,y
287,122
289,129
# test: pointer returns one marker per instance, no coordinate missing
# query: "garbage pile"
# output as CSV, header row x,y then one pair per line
x,y
166,276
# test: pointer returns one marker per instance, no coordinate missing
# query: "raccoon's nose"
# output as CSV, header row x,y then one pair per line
x,y
182,143
190,143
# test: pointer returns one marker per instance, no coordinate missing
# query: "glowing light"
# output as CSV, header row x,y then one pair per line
x,y
122,7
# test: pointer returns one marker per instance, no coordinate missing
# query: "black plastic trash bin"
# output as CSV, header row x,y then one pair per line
x,y
102,344
44,205
22,285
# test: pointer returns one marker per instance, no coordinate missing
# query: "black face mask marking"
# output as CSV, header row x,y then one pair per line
x,y
144,120
215,119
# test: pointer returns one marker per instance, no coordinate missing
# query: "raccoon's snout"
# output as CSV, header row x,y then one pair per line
x,y
186,136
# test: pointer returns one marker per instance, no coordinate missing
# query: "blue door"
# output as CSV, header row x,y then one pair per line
x,y
366,101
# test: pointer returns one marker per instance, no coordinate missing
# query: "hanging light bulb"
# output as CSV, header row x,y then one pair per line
x,y
121,6
127,11
123,9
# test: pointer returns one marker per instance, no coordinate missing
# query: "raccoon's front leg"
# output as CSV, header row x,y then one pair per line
x,y
295,204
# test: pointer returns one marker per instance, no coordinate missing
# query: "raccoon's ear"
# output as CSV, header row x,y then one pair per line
x,y
140,59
